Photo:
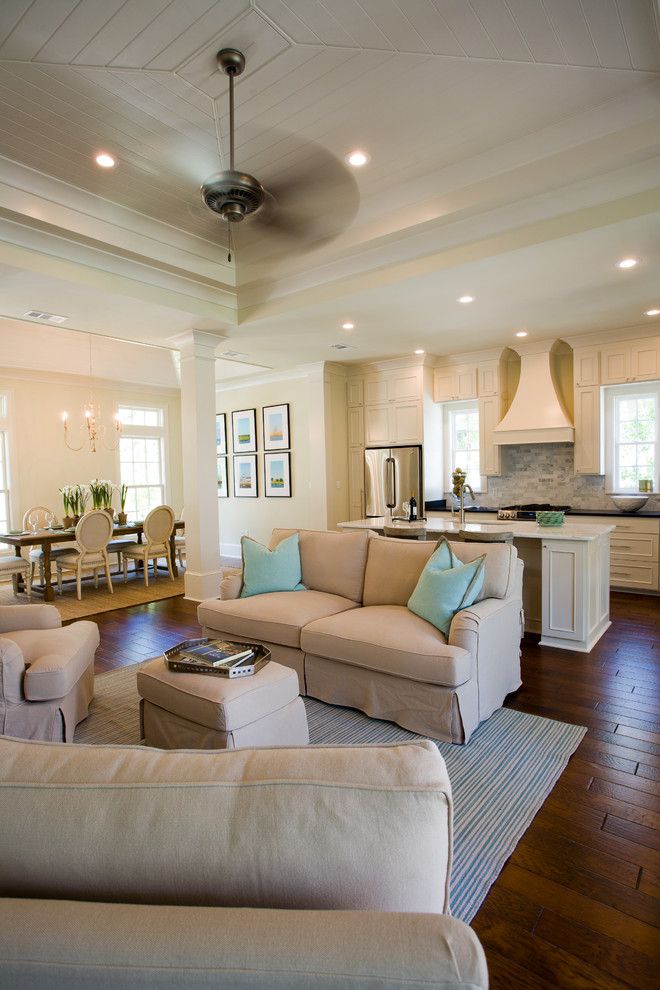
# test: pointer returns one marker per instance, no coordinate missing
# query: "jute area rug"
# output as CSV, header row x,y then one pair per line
x,y
499,780
95,601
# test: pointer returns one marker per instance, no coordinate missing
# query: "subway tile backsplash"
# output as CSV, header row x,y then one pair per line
x,y
544,473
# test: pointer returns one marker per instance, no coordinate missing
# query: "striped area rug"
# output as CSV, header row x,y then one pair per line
x,y
499,780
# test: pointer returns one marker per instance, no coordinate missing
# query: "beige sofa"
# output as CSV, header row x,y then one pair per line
x,y
294,868
352,640
46,672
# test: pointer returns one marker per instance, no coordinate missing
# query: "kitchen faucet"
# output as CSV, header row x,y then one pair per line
x,y
458,478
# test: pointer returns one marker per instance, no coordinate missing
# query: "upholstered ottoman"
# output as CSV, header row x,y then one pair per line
x,y
195,711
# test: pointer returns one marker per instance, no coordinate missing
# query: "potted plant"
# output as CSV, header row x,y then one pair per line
x,y
123,495
108,489
66,493
79,502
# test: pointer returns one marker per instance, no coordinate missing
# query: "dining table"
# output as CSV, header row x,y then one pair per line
x,y
47,538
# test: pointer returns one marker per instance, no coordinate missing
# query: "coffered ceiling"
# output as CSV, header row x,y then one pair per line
x,y
506,137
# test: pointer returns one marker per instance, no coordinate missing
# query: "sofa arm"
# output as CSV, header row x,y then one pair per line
x,y
231,584
15,617
12,668
169,946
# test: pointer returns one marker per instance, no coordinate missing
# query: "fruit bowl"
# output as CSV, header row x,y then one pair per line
x,y
554,517
629,503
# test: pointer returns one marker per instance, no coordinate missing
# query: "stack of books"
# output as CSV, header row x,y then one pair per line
x,y
218,657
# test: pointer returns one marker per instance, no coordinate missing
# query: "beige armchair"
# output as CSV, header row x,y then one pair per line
x,y
46,672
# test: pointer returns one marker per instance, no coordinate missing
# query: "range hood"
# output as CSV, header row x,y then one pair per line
x,y
536,414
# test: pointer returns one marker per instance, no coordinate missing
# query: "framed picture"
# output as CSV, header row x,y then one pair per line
x,y
245,476
277,475
223,487
276,427
220,434
244,431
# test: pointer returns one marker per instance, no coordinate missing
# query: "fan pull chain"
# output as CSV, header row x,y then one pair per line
x,y
230,243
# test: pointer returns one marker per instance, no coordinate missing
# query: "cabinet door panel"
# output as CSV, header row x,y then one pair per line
x,y
355,425
587,431
489,417
375,390
377,426
356,482
404,385
406,422
443,385
355,391
586,368
489,379
615,364
466,383
645,361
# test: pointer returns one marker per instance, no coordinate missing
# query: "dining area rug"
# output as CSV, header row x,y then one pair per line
x,y
499,780
100,600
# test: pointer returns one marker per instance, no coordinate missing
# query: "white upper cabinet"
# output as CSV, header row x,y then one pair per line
x,y
615,364
586,367
630,361
645,360
355,392
397,385
452,384
488,376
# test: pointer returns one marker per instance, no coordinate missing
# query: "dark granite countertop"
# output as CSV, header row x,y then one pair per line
x,y
640,514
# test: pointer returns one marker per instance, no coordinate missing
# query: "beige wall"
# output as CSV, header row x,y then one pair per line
x,y
318,458
41,463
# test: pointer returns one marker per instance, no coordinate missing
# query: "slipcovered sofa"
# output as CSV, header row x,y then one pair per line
x,y
46,672
352,640
288,868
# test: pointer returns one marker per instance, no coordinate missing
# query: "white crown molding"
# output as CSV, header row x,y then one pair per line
x,y
640,330
100,384
312,372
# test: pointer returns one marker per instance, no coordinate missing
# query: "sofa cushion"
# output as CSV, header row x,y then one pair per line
x,y
443,591
56,659
393,569
266,570
499,569
391,639
274,618
331,562
284,827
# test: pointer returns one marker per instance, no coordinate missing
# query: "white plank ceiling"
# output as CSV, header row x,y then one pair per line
x,y
424,85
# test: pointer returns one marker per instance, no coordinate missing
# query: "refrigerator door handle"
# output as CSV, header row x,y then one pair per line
x,y
390,497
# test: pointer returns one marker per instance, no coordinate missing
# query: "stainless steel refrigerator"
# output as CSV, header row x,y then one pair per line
x,y
391,476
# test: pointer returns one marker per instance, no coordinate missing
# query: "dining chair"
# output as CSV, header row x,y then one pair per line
x,y
36,554
157,530
17,565
93,533
180,543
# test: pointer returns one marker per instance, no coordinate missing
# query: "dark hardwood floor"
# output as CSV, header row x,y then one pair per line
x,y
577,905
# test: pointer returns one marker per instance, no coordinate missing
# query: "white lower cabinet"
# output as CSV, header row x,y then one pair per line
x,y
574,593
634,553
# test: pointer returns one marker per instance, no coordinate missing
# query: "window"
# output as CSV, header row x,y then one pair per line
x,y
142,458
631,436
462,441
5,521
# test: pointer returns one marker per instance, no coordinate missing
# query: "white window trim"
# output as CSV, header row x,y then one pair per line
x,y
611,393
150,432
448,408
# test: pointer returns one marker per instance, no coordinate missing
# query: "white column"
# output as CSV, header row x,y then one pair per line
x,y
200,489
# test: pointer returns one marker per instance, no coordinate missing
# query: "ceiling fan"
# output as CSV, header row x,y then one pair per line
x,y
312,204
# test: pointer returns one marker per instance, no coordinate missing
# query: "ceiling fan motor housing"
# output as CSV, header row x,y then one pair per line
x,y
233,195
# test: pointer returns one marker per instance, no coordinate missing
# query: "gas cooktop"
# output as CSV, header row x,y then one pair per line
x,y
529,511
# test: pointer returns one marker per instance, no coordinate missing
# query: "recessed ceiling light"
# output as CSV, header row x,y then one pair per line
x,y
652,312
104,160
627,263
420,350
521,333
348,326
465,299
357,158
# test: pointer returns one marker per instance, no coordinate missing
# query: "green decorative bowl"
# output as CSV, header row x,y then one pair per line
x,y
550,518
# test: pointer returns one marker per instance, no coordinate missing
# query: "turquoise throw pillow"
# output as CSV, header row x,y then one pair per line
x,y
267,570
442,592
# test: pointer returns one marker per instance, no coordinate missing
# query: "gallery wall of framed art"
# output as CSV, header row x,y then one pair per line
x,y
276,456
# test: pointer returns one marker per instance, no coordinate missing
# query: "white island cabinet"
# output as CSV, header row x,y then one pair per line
x,y
566,583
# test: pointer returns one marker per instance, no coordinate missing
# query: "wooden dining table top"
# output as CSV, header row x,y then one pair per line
x,y
26,538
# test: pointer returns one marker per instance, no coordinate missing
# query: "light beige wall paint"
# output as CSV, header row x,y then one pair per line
x,y
40,463
307,508
336,446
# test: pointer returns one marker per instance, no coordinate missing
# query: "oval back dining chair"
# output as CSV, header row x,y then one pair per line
x,y
36,554
93,533
180,542
157,530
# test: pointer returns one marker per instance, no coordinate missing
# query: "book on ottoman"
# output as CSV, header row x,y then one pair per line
x,y
219,657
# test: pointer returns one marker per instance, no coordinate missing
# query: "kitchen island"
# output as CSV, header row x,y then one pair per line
x,y
566,584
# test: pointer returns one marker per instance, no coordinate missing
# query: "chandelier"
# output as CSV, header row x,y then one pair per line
x,y
91,429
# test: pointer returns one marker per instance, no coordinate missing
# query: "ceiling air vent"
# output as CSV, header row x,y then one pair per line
x,y
234,355
37,314
342,347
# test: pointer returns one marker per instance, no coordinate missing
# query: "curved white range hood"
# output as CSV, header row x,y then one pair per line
x,y
536,414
